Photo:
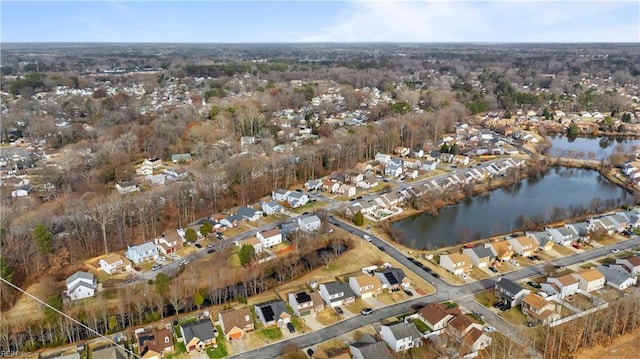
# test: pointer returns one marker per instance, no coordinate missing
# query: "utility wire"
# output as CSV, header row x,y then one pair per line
x,y
67,316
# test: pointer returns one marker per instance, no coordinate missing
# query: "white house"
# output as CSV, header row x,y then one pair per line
x,y
401,336
145,252
631,264
127,187
524,246
81,285
346,190
562,286
589,279
270,238
382,157
617,278
309,223
336,294
456,263
563,236
114,263
393,167
272,207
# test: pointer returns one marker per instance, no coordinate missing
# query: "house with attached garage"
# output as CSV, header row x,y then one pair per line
x,y
502,250
631,264
297,199
346,190
368,183
313,185
235,323
169,242
393,278
617,277
456,263
310,223
249,214
127,187
562,286
233,220
401,336
545,242
336,294
198,335
81,285
365,286
251,241
524,246
437,316
428,165
382,157
270,237
154,343
144,252
393,167
272,207
304,303
510,292
480,256
367,347
589,279
468,332
114,263
273,313
562,236
330,186
539,310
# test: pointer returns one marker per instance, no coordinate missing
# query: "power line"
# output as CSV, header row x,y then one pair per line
x,y
67,316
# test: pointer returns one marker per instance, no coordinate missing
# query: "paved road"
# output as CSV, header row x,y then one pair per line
x,y
445,291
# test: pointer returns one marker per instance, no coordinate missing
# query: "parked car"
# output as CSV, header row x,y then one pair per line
x,y
367,237
534,284
615,250
291,328
137,269
576,245
184,262
493,269
198,245
381,248
498,304
156,267
339,310
537,257
309,352
366,311
489,329
408,292
435,275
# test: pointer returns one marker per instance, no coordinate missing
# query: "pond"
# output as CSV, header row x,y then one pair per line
x,y
590,147
558,194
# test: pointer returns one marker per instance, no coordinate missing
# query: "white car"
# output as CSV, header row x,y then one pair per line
x,y
515,262
184,262
615,250
367,238
489,329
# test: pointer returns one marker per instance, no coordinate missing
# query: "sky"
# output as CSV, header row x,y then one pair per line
x,y
320,21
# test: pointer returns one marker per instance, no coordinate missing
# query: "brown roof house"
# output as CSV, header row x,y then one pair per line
x,y
437,315
114,263
502,250
154,343
539,310
236,323
365,286
589,279
456,263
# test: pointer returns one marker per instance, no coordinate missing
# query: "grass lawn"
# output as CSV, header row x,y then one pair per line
x,y
486,297
587,265
607,260
564,251
221,350
386,297
422,327
327,317
608,240
514,316
357,306
309,207
580,301
180,351
479,274
475,317
272,333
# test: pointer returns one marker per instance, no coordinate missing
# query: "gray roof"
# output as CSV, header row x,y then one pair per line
x,y
612,276
581,228
144,248
337,287
202,330
111,352
509,285
403,330
372,349
309,219
81,275
271,310
482,252
296,195
391,276
246,212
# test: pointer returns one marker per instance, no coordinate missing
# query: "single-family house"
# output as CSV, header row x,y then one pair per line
x,y
235,323
367,347
475,340
297,199
354,177
365,286
330,186
456,263
346,190
81,285
270,237
392,278
538,309
127,187
523,245
198,335
147,251
251,241
304,303
368,183
156,180
233,220
562,286
631,263
382,157
175,174
144,170
114,263
460,160
336,294
363,167
617,278
271,207
154,162
401,151
313,185
169,242
589,279
480,256
181,158
437,316
273,313
401,336
461,325
280,195
602,223
502,250
446,157
249,214
562,236
393,167
309,223
247,140
411,163
428,165
545,242
110,352
154,343
510,292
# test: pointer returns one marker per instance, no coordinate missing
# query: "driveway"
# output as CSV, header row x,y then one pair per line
x,y
198,355
373,302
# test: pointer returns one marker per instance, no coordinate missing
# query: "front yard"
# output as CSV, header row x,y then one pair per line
x,y
221,350
514,316
486,297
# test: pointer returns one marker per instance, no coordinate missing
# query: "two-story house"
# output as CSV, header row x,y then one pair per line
x,y
562,286
235,323
304,303
524,246
147,251
401,336
480,256
502,250
198,335
81,285
309,223
336,294
631,264
169,242
538,309
437,316
456,263
270,237
562,236
346,190
271,207
617,277
393,167
393,278
114,263
273,313
510,292
365,286
367,347
154,343
589,279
